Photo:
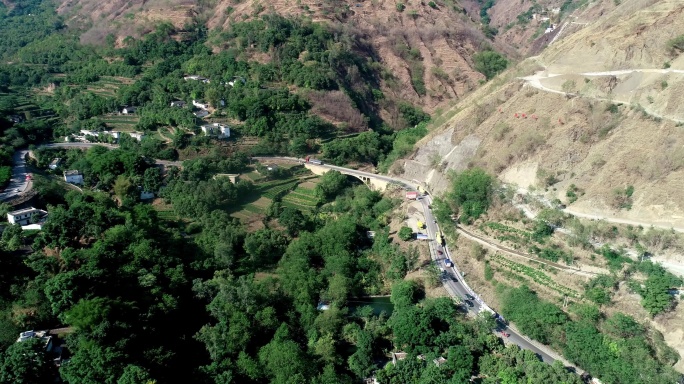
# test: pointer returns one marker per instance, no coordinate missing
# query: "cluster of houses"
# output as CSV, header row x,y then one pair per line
x,y
85,134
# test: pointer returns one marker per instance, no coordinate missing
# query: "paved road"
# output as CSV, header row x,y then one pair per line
x,y
453,282
18,183
535,81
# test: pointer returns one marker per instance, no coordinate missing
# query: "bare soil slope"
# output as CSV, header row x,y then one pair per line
x,y
425,42
611,130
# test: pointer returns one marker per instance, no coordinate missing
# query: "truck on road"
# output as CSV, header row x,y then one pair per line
x,y
421,236
308,159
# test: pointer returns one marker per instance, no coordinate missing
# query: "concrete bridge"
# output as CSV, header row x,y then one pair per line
x,y
373,181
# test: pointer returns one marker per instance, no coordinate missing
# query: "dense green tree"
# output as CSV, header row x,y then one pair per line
x,y
489,63
26,362
330,185
265,246
471,192
405,233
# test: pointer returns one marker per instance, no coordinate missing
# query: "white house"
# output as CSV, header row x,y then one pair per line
x,y
137,135
197,78
128,110
200,104
86,132
73,177
55,163
42,335
221,131
178,104
23,216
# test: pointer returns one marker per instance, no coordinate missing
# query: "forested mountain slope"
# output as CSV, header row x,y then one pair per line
x,y
425,48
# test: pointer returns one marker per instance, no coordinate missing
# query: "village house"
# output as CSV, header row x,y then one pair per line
x,y
24,216
178,104
137,135
201,113
55,163
15,118
233,177
129,110
221,131
200,104
197,78
42,335
73,177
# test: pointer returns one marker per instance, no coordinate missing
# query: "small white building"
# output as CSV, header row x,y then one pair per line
x,y
200,104
86,132
129,110
178,104
55,163
43,335
137,135
73,177
221,131
197,78
23,216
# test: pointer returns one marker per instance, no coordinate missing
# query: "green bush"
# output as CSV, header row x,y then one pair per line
x,y
676,44
489,63
471,192
432,5
405,233
400,7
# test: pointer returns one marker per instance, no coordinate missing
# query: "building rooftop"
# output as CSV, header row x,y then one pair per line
x,y
72,172
25,210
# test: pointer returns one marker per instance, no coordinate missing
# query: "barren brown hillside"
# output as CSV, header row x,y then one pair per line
x,y
615,129
429,41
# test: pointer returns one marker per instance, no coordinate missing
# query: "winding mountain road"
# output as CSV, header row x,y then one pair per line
x,y
535,82
453,280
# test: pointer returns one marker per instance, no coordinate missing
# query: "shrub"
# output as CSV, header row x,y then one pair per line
x,y
489,63
676,44
405,233
488,272
432,5
472,190
400,7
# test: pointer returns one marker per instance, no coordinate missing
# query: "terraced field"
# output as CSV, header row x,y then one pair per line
x,y
123,123
27,109
301,198
295,193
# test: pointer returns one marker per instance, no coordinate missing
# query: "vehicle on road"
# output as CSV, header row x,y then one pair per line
x,y
505,334
308,159
469,297
469,303
448,263
421,236
440,252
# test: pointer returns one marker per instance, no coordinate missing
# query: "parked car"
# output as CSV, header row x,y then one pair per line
x,y
505,334
469,303
440,252
469,297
